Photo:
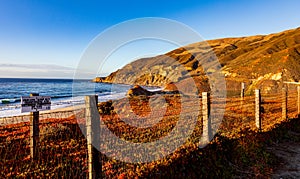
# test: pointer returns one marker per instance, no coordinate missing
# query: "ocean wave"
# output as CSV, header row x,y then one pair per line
x,y
7,101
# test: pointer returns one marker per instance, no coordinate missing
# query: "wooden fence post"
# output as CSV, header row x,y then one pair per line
x,y
242,90
93,137
284,103
34,132
207,133
298,101
257,109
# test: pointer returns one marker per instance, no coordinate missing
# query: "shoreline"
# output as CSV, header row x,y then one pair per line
x,y
24,117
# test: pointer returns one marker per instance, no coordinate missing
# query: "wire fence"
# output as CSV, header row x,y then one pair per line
x,y
63,146
240,113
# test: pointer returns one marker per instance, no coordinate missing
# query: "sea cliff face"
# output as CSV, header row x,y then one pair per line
x,y
262,61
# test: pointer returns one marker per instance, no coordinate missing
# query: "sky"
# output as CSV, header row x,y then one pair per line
x,y
46,39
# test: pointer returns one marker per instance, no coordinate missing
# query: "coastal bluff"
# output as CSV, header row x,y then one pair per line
x,y
261,61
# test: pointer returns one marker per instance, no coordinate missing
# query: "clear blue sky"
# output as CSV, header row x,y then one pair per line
x,y
56,32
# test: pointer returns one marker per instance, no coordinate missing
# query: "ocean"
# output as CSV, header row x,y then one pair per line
x,y
63,92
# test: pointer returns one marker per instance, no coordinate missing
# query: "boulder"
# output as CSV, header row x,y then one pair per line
x,y
138,91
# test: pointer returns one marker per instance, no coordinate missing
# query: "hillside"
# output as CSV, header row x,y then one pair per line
x,y
262,61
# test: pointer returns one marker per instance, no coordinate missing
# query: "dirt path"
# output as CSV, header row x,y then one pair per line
x,y
289,152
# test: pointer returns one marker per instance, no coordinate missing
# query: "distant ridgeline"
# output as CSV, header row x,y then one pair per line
x,y
262,61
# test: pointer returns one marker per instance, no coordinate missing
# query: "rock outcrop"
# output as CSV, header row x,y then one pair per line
x,y
99,80
138,91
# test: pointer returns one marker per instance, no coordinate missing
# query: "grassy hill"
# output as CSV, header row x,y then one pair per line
x,y
262,61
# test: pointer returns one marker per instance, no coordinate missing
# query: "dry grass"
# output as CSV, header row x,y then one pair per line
x,y
236,150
